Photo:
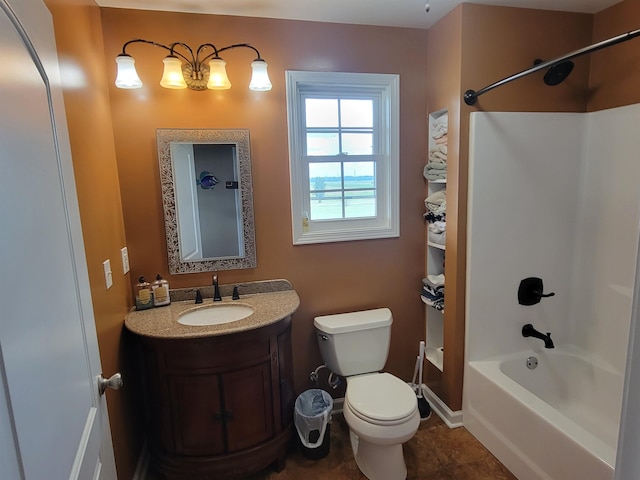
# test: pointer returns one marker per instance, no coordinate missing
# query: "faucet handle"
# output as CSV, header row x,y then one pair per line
x,y
198,296
235,295
216,289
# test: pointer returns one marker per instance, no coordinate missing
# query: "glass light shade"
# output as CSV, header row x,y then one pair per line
x,y
172,76
259,78
218,79
127,76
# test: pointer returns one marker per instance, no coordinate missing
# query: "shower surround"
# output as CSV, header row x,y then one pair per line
x,y
555,196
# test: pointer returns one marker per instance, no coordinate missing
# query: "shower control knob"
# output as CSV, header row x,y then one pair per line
x,y
114,382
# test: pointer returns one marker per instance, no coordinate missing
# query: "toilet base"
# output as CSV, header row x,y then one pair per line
x,y
378,462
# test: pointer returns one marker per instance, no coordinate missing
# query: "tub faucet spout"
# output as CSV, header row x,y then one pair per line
x,y
216,289
529,331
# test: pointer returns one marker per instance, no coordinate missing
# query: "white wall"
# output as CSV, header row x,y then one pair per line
x,y
523,202
607,235
556,196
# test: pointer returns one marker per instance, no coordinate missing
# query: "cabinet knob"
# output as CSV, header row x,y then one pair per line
x,y
114,382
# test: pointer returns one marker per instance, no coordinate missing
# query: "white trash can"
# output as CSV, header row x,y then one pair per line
x,y
312,417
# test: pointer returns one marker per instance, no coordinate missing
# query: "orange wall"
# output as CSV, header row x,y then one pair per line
x,y
615,71
501,41
443,87
329,278
79,40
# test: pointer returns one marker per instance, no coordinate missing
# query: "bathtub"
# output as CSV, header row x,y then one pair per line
x,y
558,421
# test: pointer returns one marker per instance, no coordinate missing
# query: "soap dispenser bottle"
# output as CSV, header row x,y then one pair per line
x,y
160,290
144,297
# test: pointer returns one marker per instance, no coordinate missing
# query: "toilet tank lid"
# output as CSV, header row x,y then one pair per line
x,y
354,321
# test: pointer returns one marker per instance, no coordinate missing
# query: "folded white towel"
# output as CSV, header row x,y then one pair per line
x,y
444,118
442,148
442,140
435,174
437,197
440,209
436,279
437,227
435,155
439,238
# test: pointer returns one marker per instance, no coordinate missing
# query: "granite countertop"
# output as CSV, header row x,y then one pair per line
x,y
272,301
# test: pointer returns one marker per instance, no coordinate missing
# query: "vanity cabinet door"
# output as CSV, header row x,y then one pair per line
x,y
248,406
197,414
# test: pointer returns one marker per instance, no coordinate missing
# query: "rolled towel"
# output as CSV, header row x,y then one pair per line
x,y
426,282
435,217
437,197
432,175
443,140
442,148
437,209
436,165
434,156
438,238
438,227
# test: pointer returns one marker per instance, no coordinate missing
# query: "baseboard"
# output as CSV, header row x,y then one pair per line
x,y
448,416
143,464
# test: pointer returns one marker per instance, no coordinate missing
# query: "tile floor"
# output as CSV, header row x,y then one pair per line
x,y
436,452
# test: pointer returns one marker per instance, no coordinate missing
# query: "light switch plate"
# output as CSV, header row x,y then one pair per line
x,y
125,260
108,276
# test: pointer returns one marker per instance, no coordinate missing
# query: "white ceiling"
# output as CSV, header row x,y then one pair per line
x,y
395,13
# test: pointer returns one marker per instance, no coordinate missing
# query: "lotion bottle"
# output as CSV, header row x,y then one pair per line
x,y
144,297
160,290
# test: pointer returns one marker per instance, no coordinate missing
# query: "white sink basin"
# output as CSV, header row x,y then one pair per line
x,y
215,315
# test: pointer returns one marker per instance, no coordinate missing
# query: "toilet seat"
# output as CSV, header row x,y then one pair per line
x,y
380,398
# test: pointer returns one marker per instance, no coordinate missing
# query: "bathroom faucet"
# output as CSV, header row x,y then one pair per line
x,y
216,289
529,331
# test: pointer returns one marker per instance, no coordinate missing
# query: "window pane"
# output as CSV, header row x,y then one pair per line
x,y
356,113
359,175
326,205
322,144
360,203
325,176
357,143
321,112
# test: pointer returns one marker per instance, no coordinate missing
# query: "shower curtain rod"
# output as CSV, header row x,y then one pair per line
x,y
470,96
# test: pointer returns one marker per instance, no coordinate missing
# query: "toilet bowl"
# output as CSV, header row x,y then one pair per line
x,y
381,412
380,409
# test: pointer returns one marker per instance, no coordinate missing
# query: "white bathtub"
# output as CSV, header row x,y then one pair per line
x,y
559,421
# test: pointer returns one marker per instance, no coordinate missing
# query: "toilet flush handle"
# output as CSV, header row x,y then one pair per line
x,y
323,337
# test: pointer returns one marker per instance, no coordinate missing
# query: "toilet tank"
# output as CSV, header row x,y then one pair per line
x,y
356,342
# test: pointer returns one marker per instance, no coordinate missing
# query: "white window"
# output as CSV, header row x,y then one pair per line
x,y
344,155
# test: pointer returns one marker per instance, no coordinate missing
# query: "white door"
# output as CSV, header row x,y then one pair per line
x,y
53,422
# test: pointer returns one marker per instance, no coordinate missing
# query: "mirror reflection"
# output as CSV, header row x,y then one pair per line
x,y
207,199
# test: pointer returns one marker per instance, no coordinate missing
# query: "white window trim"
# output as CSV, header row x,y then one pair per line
x,y
387,224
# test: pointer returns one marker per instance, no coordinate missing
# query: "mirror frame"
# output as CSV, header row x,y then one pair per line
x,y
237,137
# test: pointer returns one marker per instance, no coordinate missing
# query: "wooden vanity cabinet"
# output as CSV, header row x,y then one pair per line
x,y
221,406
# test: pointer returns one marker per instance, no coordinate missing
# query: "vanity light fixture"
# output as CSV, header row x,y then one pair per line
x,y
184,68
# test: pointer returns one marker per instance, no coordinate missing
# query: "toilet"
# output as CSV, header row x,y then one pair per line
x,y
380,409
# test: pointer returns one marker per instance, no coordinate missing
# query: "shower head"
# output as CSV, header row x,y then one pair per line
x,y
557,73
